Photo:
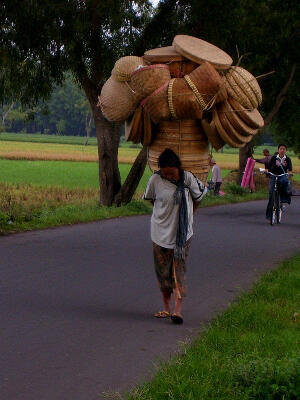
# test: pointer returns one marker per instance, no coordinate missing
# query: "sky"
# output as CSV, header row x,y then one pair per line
x,y
154,2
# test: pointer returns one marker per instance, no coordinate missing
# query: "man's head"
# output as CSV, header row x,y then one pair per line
x,y
281,149
266,152
212,162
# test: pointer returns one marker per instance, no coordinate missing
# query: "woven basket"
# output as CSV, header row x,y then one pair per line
x,y
248,84
199,51
243,87
125,66
134,126
235,120
117,101
162,55
156,105
223,133
236,92
146,80
182,101
212,134
189,142
208,84
230,130
148,136
252,118
178,65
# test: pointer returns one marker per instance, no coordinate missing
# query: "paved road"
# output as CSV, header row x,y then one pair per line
x,y
76,303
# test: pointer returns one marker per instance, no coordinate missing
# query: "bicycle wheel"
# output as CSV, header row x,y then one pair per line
x,y
273,210
278,209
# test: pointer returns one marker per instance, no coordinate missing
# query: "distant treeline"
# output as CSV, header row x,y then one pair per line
x,y
66,113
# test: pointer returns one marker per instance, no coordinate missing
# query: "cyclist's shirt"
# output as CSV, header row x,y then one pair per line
x,y
276,163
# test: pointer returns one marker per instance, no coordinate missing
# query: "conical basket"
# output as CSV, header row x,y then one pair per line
x,y
183,102
189,142
207,85
117,101
156,105
146,80
125,66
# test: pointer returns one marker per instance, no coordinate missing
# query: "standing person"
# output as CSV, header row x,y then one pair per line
x,y
279,164
175,194
266,159
216,176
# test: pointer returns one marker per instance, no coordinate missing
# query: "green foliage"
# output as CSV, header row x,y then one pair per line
x,y
268,378
265,32
250,352
84,37
234,188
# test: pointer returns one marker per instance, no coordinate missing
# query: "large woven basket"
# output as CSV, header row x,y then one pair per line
x,y
183,102
156,105
146,80
117,101
189,142
207,85
125,66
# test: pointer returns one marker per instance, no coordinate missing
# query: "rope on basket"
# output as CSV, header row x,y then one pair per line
x,y
170,100
196,92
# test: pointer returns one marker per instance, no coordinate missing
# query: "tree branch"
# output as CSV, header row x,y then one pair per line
x,y
128,188
281,96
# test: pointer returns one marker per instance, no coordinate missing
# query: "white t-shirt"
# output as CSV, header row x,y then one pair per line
x,y
165,212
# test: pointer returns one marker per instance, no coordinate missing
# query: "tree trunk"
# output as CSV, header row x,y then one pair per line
x,y
108,138
127,190
244,153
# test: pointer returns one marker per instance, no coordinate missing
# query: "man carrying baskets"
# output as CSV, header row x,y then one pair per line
x,y
175,194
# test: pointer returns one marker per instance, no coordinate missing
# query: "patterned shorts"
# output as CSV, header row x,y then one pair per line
x,y
164,268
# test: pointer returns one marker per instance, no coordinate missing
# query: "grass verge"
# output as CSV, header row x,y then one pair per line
x,y
26,207
251,351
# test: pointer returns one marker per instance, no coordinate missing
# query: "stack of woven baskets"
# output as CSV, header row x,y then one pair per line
x,y
183,96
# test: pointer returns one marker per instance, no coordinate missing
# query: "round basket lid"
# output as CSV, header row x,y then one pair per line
x,y
222,132
163,54
199,50
212,134
253,118
242,127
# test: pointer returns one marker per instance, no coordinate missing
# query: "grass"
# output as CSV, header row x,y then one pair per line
x,y
251,351
26,207
14,150
71,148
67,174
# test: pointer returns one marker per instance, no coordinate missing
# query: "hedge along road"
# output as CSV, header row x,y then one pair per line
x,y
77,302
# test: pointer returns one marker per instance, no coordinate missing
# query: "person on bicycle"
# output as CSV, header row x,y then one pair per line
x,y
279,164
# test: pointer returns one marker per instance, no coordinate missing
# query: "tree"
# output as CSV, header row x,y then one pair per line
x,y
267,32
84,37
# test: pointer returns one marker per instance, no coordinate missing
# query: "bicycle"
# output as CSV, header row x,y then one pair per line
x,y
276,205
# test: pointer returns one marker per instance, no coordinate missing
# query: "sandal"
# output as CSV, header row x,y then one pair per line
x,y
176,319
162,314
